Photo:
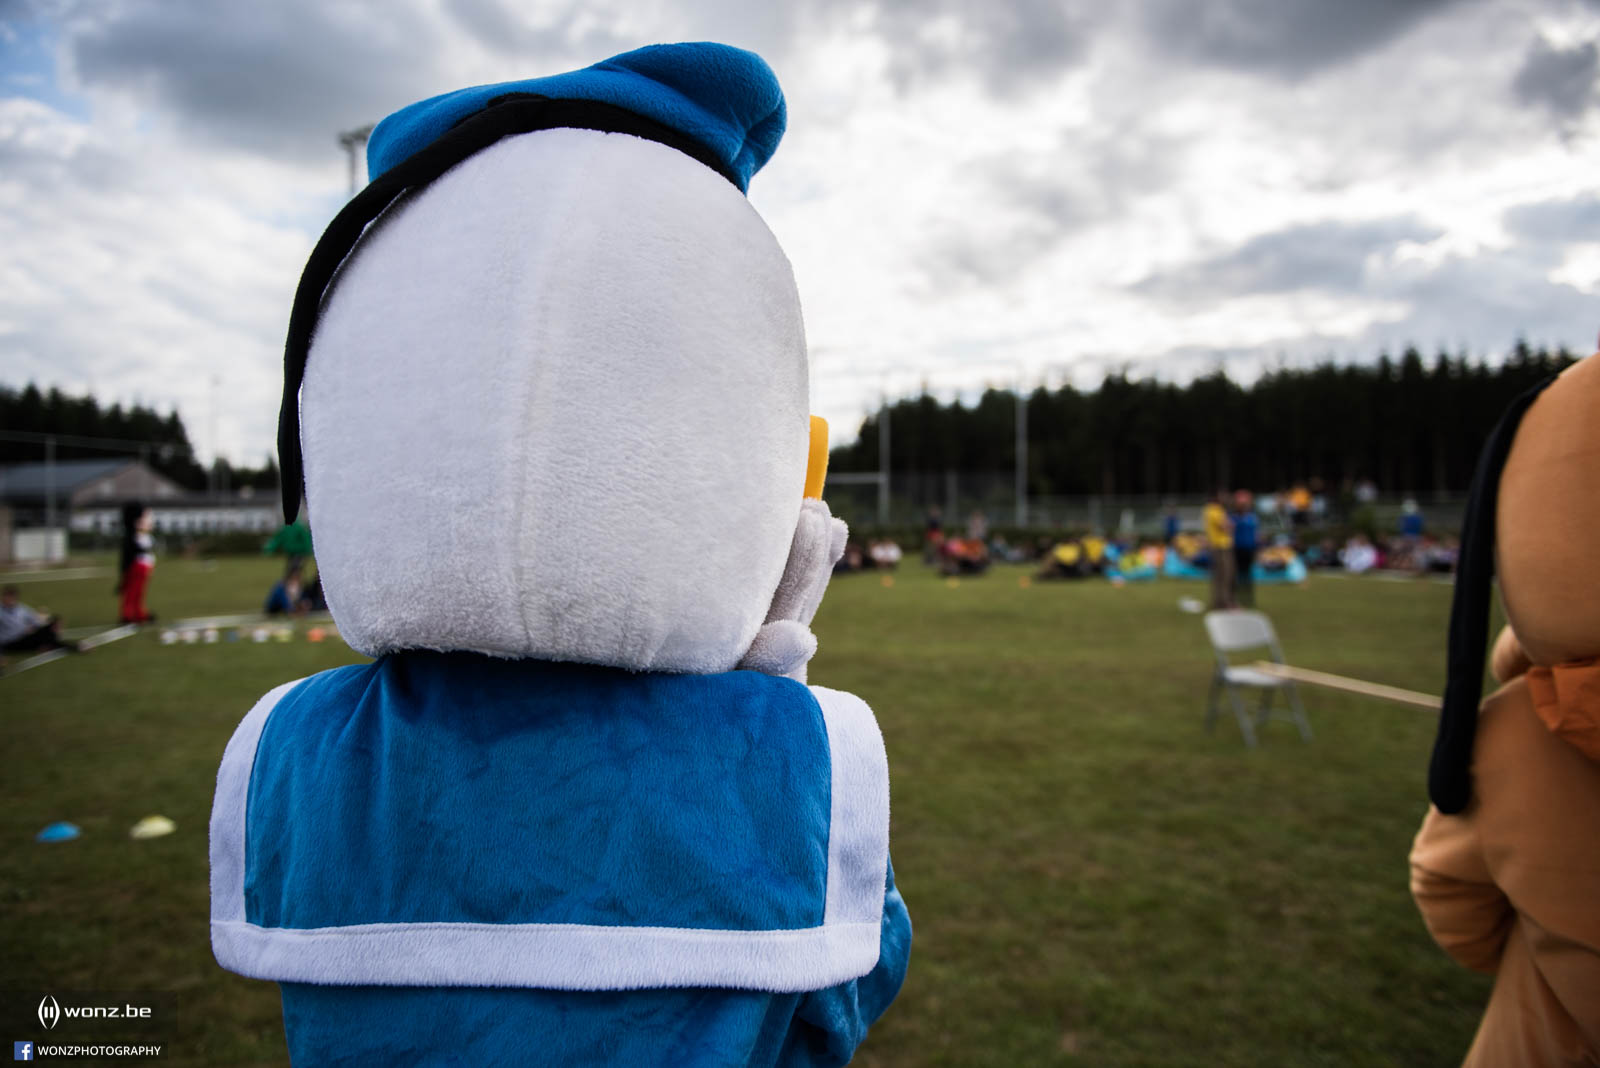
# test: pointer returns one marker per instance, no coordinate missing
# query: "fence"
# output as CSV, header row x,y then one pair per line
x,y
862,502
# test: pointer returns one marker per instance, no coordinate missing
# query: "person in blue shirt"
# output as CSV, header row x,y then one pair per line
x,y
1411,524
1245,536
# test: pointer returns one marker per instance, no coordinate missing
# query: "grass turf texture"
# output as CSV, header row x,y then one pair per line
x,y
1093,878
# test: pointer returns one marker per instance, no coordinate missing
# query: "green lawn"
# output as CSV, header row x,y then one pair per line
x,y
1093,878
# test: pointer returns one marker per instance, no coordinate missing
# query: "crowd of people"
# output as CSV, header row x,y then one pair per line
x,y
1240,537
25,630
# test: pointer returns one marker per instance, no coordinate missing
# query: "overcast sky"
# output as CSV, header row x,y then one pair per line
x,y
970,190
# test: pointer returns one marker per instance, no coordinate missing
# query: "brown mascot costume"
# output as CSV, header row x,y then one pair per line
x,y
1506,867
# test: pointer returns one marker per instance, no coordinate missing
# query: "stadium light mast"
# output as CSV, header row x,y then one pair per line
x,y
883,460
1022,447
353,141
49,484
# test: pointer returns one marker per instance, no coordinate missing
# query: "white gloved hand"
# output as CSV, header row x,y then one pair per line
x,y
784,644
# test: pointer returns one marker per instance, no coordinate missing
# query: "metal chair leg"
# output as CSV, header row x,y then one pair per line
x,y
1211,703
1264,711
1242,716
1299,714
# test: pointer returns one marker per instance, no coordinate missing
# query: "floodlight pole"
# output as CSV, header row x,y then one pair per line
x,y
1022,450
352,141
50,483
212,472
883,462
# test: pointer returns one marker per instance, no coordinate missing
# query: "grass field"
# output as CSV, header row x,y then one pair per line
x,y
1093,879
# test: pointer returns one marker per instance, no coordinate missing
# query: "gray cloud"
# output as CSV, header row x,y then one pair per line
x,y
1283,38
281,78
1027,207
1482,304
88,166
1557,222
501,27
1012,46
114,280
20,10
1559,79
278,78
1490,299
1327,256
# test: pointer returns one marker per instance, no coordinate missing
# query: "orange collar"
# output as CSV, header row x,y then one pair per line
x,y
1567,698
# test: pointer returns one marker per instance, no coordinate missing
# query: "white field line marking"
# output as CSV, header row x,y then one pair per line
x,y
49,575
36,661
202,622
104,637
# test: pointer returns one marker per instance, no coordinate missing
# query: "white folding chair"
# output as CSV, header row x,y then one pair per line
x,y
1235,632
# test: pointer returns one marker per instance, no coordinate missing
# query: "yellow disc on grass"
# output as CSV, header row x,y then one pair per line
x,y
152,827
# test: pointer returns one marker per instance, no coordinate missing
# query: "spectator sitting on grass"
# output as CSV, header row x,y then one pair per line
x,y
1094,553
885,554
288,596
1324,553
1444,555
312,596
1065,561
852,560
1359,555
1191,549
964,556
1276,558
1002,550
22,630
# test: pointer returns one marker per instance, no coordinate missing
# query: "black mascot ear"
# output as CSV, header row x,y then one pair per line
x,y
1450,769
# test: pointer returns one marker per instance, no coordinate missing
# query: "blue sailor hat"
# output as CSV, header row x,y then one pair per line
x,y
725,99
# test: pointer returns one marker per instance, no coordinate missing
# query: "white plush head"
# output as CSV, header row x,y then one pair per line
x,y
556,407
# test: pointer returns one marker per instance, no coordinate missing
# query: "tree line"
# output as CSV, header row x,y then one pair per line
x,y
1409,425
160,440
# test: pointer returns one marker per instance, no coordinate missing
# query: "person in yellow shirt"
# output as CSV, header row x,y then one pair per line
x,y
1300,504
1219,541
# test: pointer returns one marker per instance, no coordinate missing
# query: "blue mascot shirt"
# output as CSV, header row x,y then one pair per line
x,y
522,862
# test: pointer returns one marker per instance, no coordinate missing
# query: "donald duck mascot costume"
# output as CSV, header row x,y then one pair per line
x,y
546,396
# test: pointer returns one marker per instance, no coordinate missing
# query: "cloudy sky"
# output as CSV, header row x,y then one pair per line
x,y
971,191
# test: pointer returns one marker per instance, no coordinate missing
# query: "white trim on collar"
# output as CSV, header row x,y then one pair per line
x,y
578,956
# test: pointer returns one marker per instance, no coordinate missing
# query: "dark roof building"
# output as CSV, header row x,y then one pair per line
x,y
83,483
89,495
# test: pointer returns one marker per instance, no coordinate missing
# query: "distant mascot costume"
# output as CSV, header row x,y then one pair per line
x,y
549,378
1506,867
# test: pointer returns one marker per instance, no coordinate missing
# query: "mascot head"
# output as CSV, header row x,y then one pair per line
x,y
1548,522
546,377
1534,519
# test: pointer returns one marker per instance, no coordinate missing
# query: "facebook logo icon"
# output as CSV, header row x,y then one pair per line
x,y
22,1051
